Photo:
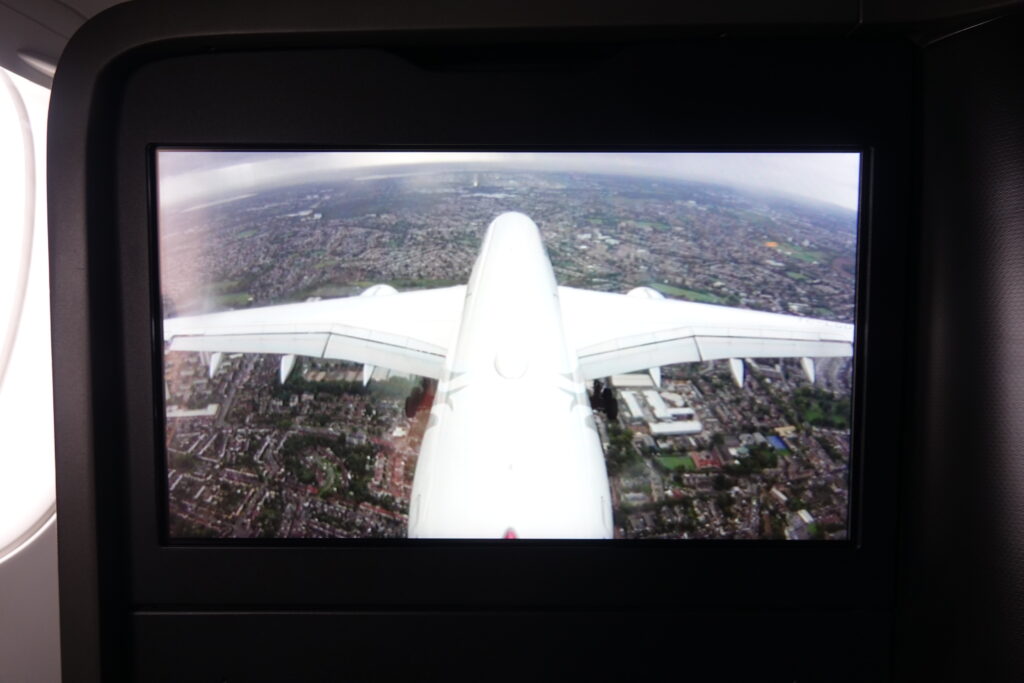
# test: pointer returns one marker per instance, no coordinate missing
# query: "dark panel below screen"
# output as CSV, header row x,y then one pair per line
x,y
592,646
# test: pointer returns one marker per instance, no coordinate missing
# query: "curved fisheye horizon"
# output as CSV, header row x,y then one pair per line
x,y
192,178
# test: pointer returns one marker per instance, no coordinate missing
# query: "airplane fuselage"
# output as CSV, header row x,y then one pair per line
x,y
511,446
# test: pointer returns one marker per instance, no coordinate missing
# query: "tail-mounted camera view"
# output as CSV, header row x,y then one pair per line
x,y
507,345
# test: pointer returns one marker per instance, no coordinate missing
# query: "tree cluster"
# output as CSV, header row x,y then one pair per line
x,y
760,457
621,453
357,460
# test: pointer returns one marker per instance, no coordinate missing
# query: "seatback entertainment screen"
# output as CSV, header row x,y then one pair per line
x,y
507,345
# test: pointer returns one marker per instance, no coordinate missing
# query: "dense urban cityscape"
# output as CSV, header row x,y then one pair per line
x,y
322,455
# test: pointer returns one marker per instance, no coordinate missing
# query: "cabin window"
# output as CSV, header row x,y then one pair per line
x,y
26,387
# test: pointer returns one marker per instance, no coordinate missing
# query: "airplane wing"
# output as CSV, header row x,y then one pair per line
x,y
616,333
408,331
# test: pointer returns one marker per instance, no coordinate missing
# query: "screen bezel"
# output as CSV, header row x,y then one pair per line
x,y
857,116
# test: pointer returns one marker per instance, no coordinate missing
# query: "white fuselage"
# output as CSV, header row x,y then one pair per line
x,y
511,446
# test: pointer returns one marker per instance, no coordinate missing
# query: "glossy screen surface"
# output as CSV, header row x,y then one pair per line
x,y
498,345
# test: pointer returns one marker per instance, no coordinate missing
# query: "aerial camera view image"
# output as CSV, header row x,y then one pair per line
x,y
492,345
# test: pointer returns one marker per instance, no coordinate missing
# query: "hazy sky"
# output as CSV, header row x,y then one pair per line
x,y
189,177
